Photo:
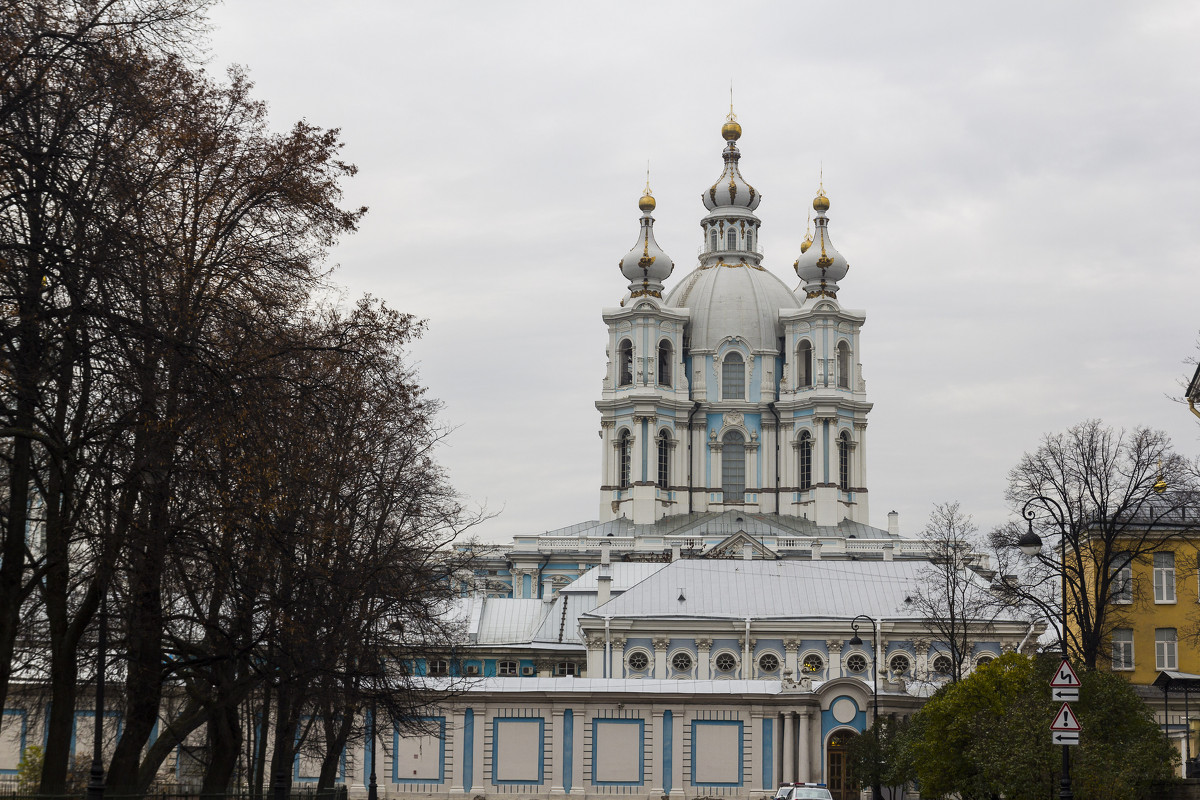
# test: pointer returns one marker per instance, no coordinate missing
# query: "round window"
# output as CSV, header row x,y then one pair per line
x,y
681,662
857,662
942,665
813,664
899,664
638,660
726,662
983,660
768,662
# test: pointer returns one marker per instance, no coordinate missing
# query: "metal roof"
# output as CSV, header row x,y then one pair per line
x,y
736,589
721,524
510,621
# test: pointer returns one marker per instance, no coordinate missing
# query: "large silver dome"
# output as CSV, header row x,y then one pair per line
x,y
733,300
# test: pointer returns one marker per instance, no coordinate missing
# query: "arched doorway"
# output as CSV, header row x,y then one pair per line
x,y
837,766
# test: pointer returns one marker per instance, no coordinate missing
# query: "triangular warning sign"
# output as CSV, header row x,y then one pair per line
x,y
1065,720
1065,677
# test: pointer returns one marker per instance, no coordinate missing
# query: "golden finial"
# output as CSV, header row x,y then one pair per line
x,y
731,131
646,203
808,240
821,202
1160,485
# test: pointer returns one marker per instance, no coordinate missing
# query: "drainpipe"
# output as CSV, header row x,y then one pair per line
x,y
692,413
778,425
878,654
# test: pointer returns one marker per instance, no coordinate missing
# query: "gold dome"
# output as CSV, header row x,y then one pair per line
x,y
731,131
820,202
646,203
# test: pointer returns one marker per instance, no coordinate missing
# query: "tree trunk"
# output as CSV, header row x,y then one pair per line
x,y
224,746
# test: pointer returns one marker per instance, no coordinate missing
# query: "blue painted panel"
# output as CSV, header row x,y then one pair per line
x,y
668,750
468,749
440,723
14,716
740,747
541,750
641,737
527,586
568,754
768,754
829,725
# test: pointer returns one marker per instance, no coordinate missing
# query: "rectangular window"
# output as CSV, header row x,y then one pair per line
x,y
1122,582
731,240
1164,577
1122,645
1164,649
733,378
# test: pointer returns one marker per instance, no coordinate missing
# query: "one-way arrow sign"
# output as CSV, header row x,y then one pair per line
x,y
1064,694
1062,737
1065,678
1066,720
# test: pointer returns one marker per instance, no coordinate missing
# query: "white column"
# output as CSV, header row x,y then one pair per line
x,y
557,736
655,736
480,779
805,747
617,668
595,656
458,744
579,780
660,656
677,722
791,658
789,746
835,658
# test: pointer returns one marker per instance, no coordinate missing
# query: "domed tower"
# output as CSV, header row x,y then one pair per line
x,y
701,409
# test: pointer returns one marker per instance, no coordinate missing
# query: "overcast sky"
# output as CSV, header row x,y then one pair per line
x,y
1016,187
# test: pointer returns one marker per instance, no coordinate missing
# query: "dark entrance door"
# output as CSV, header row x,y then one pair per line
x,y
837,767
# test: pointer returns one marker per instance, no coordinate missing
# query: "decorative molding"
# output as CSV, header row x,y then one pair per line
x,y
704,643
661,643
835,646
791,645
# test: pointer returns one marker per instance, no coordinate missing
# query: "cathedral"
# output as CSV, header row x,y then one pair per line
x,y
731,619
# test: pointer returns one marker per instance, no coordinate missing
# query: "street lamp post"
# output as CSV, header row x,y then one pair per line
x,y
1031,544
95,787
372,787
856,641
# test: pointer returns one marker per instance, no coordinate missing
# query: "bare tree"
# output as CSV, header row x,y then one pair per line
x,y
954,598
1101,500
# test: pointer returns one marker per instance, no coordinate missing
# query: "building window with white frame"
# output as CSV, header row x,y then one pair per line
x,y
1122,648
624,460
713,240
507,669
731,240
664,459
804,364
1164,577
664,363
733,377
1122,580
733,467
805,461
1165,654
750,240
625,363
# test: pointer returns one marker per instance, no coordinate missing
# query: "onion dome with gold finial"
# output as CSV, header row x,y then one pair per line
x,y
731,189
820,266
646,265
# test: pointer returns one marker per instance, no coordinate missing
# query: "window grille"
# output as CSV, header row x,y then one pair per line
x,y
733,377
733,467
857,662
664,459
942,665
805,461
768,662
638,661
625,455
1164,577
681,661
813,664
900,664
844,462
726,662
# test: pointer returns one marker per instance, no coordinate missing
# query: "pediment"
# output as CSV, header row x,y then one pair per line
x,y
733,546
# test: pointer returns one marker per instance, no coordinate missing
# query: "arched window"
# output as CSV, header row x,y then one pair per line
x,y
804,363
713,240
805,461
733,377
664,363
844,462
625,363
733,467
664,459
843,365
731,240
749,240
624,463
